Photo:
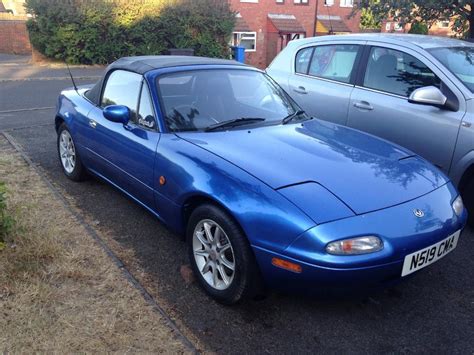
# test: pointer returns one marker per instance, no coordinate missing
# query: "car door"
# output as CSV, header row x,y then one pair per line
x,y
323,79
379,103
125,154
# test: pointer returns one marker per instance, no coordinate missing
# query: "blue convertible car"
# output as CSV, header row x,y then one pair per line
x,y
265,194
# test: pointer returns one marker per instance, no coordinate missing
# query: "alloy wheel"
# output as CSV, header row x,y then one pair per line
x,y
67,152
213,254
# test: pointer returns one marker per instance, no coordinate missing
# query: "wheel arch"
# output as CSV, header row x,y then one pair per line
x,y
58,120
467,176
198,199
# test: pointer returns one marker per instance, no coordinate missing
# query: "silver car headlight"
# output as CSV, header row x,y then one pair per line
x,y
355,246
458,206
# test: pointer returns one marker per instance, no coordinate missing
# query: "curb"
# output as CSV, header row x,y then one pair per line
x,y
114,258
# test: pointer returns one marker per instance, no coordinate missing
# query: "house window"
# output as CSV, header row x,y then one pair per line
x,y
256,1
301,2
328,2
444,24
280,1
347,3
248,40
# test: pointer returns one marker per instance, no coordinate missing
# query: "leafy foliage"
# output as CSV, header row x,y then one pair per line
x,y
101,31
427,11
369,20
418,27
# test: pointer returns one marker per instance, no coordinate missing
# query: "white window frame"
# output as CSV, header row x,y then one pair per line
x,y
240,38
347,3
253,1
302,2
328,2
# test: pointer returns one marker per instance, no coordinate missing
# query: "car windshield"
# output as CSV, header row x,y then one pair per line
x,y
200,99
459,61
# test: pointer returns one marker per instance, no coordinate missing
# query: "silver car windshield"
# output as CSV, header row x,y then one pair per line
x,y
459,61
197,100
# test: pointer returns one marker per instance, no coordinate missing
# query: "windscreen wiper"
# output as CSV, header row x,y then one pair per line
x,y
292,116
234,122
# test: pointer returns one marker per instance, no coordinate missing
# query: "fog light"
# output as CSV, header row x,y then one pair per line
x,y
458,205
355,246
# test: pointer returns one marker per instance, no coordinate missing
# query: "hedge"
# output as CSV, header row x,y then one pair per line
x,y
100,31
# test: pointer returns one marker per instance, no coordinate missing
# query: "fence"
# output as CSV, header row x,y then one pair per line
x,y
14,37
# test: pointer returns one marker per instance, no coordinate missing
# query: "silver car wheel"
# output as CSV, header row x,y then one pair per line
x,y
213,254
67,152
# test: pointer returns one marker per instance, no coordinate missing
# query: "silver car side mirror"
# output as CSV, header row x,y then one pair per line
x,y
428,95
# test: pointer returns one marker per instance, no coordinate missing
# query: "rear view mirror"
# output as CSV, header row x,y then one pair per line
x,y
117,113
428,95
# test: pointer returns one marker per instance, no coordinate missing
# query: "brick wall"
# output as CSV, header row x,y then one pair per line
x,y
352,22
255,14
14,37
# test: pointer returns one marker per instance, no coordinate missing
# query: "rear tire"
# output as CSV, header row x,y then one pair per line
x,y
221,257
69,158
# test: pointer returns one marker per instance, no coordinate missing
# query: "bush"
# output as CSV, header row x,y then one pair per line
x,y
101,31
419,28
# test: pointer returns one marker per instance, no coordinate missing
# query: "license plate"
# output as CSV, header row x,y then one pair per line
x,y
424,257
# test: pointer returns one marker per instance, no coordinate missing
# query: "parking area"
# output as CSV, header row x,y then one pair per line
x,y
431,312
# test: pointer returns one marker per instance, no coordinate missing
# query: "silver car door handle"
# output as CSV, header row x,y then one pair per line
x,y
92,123
363,106
300,90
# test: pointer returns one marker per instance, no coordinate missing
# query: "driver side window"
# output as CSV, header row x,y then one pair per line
x,y
146,115
122,88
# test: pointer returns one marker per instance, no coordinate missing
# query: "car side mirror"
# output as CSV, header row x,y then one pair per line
x,y
117,113
428,95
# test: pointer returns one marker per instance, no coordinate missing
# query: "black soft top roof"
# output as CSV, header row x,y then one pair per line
x,y
144,64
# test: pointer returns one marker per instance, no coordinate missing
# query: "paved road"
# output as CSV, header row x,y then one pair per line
x,y
433,312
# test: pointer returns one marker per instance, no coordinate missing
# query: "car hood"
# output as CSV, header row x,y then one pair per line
x,y
366,173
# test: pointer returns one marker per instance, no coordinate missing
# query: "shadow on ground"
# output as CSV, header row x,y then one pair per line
x,y
433,312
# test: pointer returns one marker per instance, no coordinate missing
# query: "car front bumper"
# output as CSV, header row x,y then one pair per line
x,y
401,231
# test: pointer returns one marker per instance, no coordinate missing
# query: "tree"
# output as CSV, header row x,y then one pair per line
x,y
368,20
427,11
419,28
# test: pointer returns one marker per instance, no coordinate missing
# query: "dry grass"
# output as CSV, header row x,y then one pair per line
x,y
58,290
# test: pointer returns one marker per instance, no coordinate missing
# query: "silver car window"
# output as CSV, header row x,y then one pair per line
x,y
397,72
302,60
334,62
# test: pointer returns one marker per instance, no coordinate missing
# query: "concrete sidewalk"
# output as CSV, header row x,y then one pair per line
x,y
20,67
14,59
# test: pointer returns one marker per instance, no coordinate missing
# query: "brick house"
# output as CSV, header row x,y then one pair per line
x,y
440,28
335,17
264,27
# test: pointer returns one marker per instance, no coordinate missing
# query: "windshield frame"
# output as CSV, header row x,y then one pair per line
x,y
183,71
432,52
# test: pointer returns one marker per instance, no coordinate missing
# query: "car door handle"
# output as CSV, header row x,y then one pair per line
x,y
363,105
92,123
300,90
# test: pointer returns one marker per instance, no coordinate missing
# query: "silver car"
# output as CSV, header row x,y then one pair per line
x,y
414,90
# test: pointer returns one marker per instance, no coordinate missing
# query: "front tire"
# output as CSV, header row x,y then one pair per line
x,y
68,156
467,194
221,257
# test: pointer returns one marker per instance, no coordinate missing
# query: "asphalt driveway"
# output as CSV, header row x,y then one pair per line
x,y
430,313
